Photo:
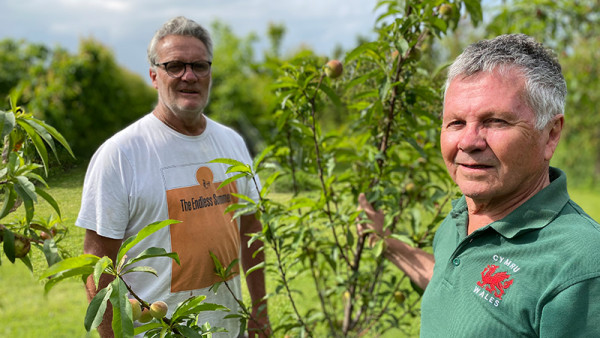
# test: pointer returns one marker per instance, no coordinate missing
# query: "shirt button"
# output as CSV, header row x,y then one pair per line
x,y
456,261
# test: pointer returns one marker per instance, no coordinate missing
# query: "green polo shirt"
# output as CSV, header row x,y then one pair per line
x,y
535,273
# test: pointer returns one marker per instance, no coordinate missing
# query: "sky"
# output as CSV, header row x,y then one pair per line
x,y
126,26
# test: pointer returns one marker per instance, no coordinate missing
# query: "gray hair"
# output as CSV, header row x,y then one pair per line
x,y
179,26
545,86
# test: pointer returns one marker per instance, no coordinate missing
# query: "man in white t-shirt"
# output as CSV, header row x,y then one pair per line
x,y
158,168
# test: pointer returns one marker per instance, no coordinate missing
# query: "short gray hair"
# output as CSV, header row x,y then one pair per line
x,y
545,86
179,26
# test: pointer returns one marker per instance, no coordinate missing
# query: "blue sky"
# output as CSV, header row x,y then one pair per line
x,y
126,26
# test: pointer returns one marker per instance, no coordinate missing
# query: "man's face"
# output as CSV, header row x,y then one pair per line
x,y
489,143
188,95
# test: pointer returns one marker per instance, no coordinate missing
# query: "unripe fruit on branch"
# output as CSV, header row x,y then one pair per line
x,y
399,297
158,309
22,247
145,316
333,69
446,10
136,309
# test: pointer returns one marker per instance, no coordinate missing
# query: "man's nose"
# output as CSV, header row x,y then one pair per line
x,y
472,139
188,73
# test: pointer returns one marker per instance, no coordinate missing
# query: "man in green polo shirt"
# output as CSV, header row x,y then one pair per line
x,y
516,257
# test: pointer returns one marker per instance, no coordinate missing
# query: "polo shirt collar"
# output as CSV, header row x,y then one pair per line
x,y
534,214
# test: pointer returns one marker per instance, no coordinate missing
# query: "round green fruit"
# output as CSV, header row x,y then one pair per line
x,y
446,10
145,316
22,247
333,69
400,297
136,309
158,309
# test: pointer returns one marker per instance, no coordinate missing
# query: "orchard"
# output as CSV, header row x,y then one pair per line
x,y
363,121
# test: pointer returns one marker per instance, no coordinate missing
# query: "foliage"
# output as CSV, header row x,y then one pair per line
x,y
25,140
183,321
86,96
386,145
18,60
240,95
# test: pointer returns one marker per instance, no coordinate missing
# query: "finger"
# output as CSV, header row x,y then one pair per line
x,y
366,206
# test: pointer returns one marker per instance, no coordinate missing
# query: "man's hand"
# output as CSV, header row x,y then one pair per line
x,y
258,325
416,263
376,220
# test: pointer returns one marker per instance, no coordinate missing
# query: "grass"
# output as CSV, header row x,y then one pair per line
x,y
26,312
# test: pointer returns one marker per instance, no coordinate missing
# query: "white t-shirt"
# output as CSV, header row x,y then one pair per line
x,y
148,172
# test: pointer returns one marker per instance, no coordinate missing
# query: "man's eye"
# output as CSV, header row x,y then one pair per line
x,y
175,67
201,66
496,122
455,124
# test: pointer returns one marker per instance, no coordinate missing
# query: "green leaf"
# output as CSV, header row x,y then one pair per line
x,y
379,246
7,122
146,327
231,179
153,252
231,266
228,161
55,134
270,180
85,260
50,251
81,272
194,305
41,131
10,196
188,332
239,169
219,270
332,95
145,232
96,309
9,244
100,267
46,196
243,197
358,51
258,159
147,269
474,9
258,266
37,142
28,189
122,317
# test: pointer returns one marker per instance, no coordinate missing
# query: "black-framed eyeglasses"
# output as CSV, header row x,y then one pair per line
x,y
176,69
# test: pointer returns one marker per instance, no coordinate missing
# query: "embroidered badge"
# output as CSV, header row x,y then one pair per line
x,y
495,282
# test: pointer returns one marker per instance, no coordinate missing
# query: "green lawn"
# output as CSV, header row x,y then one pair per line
x,y
26,312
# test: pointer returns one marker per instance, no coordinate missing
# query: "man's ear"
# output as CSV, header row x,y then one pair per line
x,y
554,130
153,74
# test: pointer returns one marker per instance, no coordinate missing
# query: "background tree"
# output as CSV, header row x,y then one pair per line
x,y
87,96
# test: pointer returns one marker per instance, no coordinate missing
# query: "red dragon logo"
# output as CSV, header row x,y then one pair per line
x,y
495,282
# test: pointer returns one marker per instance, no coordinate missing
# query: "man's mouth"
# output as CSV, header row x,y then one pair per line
x,y
475,166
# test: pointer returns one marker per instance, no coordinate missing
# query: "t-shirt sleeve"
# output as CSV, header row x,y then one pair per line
x,y
574,312
105,196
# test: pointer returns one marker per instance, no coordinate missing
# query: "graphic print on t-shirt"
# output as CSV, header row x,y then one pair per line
x,y
193,199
